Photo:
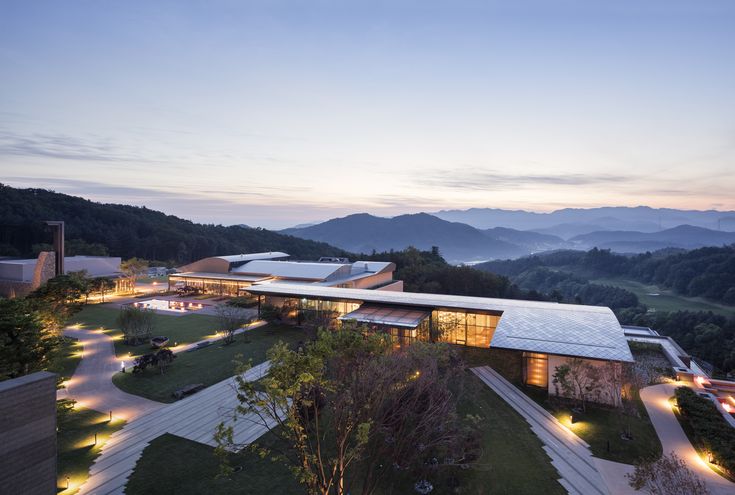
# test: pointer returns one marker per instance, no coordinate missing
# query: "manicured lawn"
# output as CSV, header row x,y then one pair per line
x,y
180,329
65,358
76,448
667,300
599,425
208,365
512,461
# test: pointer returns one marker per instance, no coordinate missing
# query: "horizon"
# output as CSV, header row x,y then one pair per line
x,y
275,115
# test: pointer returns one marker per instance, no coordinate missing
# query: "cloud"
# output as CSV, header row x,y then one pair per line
x,y
486,180
65,147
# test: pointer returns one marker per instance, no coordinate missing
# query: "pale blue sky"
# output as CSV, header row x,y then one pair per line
x,y
276,113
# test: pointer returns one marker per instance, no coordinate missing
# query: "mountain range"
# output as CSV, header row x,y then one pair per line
x,y
462,243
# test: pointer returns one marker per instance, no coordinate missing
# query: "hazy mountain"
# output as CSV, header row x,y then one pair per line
x,y
529,240
457,242
682,236
570,222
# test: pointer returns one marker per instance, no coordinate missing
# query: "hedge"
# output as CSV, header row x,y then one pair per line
x,y
711,432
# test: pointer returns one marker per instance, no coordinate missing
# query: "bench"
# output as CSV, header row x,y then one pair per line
x,y
188,390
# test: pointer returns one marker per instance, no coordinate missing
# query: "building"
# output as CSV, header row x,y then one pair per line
x,y
542,335
19,277
233,275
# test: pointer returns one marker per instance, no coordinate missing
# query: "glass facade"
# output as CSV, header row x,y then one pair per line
x,y
470,329
216,286
536,369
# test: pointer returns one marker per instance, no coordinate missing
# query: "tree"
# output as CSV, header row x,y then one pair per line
x,y
57,300
345,405
133,269
667,476
102,285
230,319
24,346
136,323
577,379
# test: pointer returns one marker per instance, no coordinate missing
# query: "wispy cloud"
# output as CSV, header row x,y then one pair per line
x,y
488,180
65,147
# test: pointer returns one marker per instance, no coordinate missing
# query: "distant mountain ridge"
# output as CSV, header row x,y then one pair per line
x,y
462,243
457,242
570,222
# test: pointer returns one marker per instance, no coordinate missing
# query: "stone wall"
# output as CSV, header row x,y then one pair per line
x,y
28,434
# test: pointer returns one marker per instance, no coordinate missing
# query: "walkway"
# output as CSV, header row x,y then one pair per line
x,y
195,418
569,454
673,438
91,385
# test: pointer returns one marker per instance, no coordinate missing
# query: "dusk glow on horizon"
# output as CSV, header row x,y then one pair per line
x,y
278,113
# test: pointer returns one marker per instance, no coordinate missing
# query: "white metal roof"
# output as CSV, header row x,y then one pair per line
x,y
545,327
235,258
289,269
371,266
219,276
395,316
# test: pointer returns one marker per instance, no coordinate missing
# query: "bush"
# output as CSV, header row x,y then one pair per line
x,y
243,302
711,431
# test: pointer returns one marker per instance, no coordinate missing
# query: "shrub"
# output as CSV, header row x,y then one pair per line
x,y
711,431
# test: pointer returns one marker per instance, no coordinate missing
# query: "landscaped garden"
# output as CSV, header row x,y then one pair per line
x,y
208,365
179,329
65,358
511,461
620,435
76,447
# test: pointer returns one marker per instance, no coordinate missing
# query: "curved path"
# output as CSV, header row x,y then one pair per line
x,y
91,385
673,438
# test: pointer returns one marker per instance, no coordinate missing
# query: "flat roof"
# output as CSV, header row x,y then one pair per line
x,y
219,276
535,326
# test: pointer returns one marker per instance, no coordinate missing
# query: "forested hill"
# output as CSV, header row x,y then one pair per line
x,y
706,272
130,231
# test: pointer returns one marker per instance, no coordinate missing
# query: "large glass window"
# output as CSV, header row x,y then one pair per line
x,y
472,329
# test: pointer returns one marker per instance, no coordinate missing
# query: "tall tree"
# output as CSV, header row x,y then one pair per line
x,y
58,300
24,347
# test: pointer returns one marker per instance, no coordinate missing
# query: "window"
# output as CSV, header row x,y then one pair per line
x,y
536,369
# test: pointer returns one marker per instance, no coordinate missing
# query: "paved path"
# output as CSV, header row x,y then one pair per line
x,y
91,385
673,438
195,418
569,454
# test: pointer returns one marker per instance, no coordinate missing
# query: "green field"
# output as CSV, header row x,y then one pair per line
x,y
179,329
512,461
76,449
667,300
65,358
207,366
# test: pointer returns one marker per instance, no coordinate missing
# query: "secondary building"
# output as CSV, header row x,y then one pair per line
x,y
542,334
233,275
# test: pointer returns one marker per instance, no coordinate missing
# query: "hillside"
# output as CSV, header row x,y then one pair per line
x,y
129,231
457,242
682,236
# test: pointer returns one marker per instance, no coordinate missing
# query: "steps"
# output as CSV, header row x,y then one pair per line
x,y
569,454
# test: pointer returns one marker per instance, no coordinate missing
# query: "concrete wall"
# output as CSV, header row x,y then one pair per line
x,y
373,280
17,270
96,266
207,265
28,435
396,286
42,270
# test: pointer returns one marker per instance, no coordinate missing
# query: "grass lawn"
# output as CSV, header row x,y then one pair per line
x,y
65,358
667,300
181,329
599,425
75,445
208,365
512,461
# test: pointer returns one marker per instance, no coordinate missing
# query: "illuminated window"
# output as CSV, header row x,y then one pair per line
x,y
536,369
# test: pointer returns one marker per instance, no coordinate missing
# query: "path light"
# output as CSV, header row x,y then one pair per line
x,y
122,366
67,482
571,418
95,438
110,415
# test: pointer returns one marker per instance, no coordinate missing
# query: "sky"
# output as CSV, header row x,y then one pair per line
x,y
277,113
